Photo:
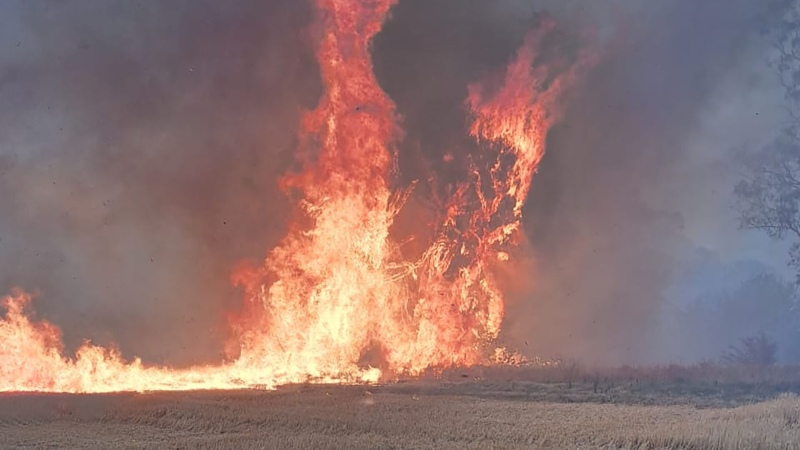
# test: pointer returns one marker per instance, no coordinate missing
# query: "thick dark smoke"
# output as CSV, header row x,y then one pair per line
x,y
139,151
606,244
140,143
608,247
606,253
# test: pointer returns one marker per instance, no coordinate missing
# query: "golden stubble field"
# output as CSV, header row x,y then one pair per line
x,y
415,415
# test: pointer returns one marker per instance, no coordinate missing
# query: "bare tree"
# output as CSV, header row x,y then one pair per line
x,y
769,194
757,350
764,302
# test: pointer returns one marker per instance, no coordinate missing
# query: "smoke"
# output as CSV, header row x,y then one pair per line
x,y
627,218
139,147
140,144
615,209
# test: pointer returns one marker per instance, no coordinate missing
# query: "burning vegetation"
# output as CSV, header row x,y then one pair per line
x,y
339,299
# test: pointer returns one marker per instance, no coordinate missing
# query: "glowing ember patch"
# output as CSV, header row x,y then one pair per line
x,y
334,302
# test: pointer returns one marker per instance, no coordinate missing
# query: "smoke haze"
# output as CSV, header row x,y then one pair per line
x,y
140,144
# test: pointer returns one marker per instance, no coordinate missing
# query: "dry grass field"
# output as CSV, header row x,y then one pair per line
x,y
608,411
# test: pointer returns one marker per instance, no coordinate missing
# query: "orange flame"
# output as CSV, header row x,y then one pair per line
x,y
336,296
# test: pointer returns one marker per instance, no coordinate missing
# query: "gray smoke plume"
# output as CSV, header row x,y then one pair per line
x,y
140,143
622,200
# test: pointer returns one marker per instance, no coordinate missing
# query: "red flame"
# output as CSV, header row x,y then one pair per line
x,y
337,287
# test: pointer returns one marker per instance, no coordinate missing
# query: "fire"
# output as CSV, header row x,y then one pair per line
x,y
336,301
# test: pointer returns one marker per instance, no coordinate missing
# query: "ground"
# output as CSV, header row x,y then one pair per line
x,y
587,411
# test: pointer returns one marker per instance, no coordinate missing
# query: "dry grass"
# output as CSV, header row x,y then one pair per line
x,y
570,371
701,385
392,417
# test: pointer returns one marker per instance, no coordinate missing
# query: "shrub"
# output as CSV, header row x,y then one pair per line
x,y
758,350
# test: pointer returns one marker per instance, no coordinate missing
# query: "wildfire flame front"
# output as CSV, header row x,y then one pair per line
x,y
337,286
